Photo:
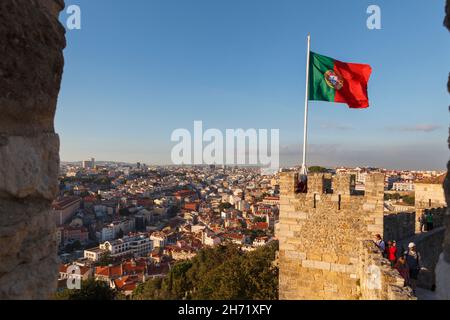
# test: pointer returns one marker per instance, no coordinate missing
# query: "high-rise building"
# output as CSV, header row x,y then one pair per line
x,y
89,164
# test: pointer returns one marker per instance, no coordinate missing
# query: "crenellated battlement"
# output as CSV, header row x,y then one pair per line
x,y
320,233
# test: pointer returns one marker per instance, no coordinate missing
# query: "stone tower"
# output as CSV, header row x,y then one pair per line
x,y
325,247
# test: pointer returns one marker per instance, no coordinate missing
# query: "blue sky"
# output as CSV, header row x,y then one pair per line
x,y
139,69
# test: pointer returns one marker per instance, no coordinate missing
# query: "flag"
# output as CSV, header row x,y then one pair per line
x,y
336,81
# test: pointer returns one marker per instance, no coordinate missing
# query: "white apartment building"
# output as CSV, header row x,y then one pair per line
x,y
159,239
210,239
106,234
403,186
94,254
139,246
111,231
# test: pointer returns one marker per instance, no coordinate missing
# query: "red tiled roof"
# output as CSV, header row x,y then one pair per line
x,y
64,202
63,268
110,272
432,180
260,226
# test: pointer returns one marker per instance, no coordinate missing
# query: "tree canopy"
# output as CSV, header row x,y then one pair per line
x,y
223,272
317,169
90,290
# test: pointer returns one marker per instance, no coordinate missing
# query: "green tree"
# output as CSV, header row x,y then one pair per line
x,y
105,260
317,169
90,290
392,196
409,200
223,272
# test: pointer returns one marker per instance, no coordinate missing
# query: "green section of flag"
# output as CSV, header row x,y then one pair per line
x,y
318,88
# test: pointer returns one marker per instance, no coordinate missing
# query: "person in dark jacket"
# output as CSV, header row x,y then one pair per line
x,y
422,221
413,260
403,268
429,221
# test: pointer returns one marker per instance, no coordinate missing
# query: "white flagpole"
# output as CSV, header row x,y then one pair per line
x,y
304,170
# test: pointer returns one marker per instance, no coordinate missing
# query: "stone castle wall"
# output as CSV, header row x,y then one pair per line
x,y
320,235
326,247
377,280
31,66
399,225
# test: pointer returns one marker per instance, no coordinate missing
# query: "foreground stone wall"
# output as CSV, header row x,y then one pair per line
x,y
378,281
443,267
31,66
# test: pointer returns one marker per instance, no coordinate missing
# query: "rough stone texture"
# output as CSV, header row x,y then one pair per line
x,y
25,170
443,267
31,66
377,279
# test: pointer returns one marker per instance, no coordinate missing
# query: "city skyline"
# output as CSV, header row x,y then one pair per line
x,y
127,85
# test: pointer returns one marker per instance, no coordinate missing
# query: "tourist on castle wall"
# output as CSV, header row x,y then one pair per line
x,y
422,221
386,250
392,252
413,260
429,221
403,268
380,243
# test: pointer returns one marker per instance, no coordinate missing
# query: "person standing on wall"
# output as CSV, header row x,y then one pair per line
x,y
413,260
392,252
380,243
403,268
422,219
430,222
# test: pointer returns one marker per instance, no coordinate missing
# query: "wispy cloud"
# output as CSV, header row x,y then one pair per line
x,y
416,128
336,126
395,156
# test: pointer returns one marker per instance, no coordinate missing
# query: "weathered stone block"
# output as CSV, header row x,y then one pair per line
x,y
30,166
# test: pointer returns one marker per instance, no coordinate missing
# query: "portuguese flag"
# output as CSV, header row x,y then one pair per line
x,y
336,81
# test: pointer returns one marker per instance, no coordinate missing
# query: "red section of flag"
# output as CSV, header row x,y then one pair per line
x,y
356,76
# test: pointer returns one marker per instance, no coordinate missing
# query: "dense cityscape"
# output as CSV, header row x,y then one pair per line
x,y
124,224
